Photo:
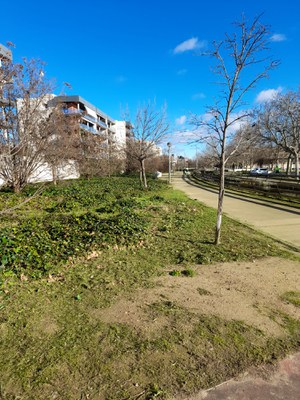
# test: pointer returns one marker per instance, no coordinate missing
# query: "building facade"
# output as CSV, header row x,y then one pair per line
x,y
93,120
5,54
5,57
99,136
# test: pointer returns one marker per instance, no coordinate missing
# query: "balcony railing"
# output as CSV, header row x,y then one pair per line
x,y
89,129
101,123
89,118
72,111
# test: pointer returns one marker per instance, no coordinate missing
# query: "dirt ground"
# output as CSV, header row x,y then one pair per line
x,y
244,291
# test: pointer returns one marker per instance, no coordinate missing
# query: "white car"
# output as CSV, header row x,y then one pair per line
x,y
157,174
260,171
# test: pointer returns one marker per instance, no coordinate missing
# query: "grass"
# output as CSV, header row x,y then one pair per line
x,y
203,292
185,272
292,297
53,344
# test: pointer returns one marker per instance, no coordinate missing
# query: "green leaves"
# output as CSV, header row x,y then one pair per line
x,y
82,215
39,242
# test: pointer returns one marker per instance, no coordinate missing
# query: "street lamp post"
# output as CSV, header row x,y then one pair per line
x,y
169,154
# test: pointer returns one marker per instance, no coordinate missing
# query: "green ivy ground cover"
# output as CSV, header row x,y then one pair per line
x,y
75,217
81,246
69,220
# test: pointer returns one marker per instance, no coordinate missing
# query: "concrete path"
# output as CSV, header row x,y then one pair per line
x,y
281,222
279,383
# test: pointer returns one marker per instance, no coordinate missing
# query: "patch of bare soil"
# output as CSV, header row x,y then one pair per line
x,y
245,291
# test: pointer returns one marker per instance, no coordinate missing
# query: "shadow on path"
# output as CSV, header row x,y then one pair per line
x,y
243,197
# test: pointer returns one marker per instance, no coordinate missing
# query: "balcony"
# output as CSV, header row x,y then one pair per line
x,y
89,118
89,129
72,111
101,123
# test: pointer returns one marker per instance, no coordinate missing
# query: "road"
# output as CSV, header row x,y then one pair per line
x,y
278,221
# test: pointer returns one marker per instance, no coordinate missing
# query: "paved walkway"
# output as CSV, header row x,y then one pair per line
x,y
281,222
281,383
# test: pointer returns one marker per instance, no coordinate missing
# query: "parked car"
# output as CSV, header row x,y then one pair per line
x,y
260,171
157,174
187,171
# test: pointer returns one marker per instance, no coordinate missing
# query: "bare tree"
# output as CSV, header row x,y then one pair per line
x,y
101,155
23,139
63,148
234,57
279,124
148,131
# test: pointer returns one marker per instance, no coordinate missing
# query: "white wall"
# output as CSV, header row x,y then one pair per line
x,y
44,174
120,133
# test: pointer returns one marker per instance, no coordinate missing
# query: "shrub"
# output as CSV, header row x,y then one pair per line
x,y
40,242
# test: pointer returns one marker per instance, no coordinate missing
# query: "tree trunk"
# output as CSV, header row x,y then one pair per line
x,y
288,164
220,196
109,161
144,174
16,187
141,177
54,175
297,164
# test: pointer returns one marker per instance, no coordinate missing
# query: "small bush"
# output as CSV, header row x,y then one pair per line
x,y
69,219
175,273
186,272
40,242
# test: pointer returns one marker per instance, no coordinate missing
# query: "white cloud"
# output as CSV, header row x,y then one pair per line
x,y
240,121
206,117
278,37
267,95
189,44
192,136
183,137
181,120
237,120
198,96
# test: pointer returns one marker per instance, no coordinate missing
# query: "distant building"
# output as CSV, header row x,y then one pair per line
x,y
122,130
5,57
5,54
92,119
156,150
92,124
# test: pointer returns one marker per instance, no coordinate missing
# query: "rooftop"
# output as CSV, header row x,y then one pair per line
x,y
79,99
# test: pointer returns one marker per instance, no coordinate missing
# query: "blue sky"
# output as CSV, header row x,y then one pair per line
x,y
119,54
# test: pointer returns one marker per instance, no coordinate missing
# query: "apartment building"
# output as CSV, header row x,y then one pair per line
x,y
91,119
5,54
5,57
101,136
